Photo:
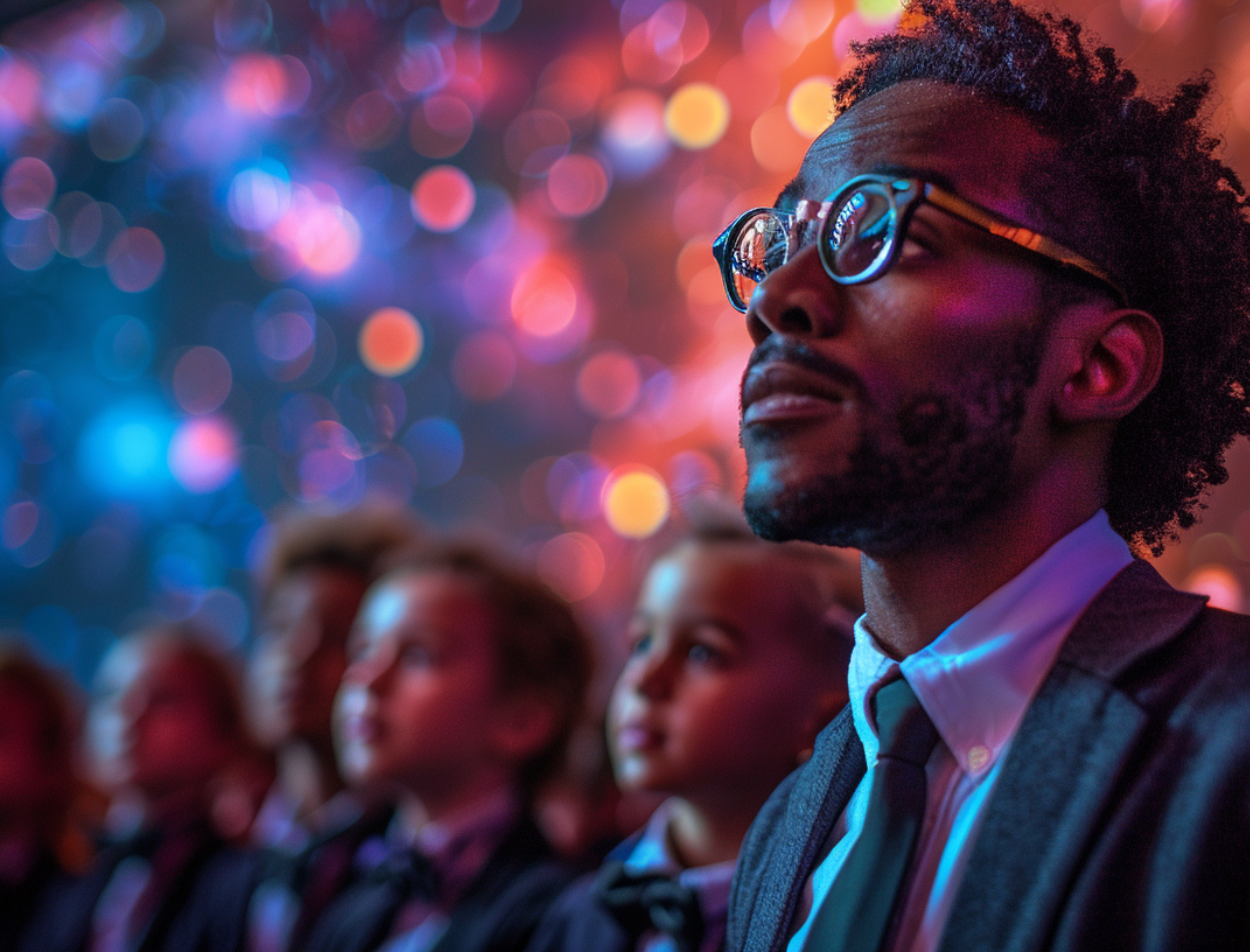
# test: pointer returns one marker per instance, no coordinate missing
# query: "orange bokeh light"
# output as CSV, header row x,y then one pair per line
x,y
697,115
635,502
810,106
390,342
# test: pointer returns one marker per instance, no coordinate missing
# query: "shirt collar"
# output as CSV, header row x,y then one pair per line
x,y
653,854
976,679
459,843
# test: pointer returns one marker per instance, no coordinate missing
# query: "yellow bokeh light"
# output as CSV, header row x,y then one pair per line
x,y
390,342
697,116
635,502
879,11
810,106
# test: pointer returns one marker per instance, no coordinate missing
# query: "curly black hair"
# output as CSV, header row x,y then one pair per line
x,y
1135,186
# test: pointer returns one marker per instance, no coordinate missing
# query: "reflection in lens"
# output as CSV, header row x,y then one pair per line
x,y
861,231
759,249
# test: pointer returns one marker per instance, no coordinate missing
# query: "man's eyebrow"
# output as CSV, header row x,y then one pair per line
x,y
929,175
790,195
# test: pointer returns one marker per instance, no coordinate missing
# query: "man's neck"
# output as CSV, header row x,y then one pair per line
x,y
911,598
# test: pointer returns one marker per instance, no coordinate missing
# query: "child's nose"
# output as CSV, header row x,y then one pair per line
x,y
655,679
372,670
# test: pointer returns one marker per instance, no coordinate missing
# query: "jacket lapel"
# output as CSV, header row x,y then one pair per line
x,y
821,792
1059,779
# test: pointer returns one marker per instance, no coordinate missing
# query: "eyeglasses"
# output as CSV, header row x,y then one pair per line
x,y
859,231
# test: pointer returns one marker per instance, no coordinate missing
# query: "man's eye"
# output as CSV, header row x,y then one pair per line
x,y
914,249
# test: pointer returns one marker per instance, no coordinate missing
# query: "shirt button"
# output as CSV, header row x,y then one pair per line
x,y
978,757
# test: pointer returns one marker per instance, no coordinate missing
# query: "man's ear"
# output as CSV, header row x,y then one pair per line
x,y
523,726
1118,363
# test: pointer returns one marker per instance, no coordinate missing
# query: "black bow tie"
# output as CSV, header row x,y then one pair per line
x,y
410,873
642,902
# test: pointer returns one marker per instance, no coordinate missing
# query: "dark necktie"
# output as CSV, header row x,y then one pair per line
x,y
649,901
856,914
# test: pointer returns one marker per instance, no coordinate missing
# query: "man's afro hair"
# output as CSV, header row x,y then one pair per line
x,y
1135,186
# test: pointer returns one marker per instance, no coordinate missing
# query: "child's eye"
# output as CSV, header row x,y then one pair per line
x,y
415,656
641,645
704,654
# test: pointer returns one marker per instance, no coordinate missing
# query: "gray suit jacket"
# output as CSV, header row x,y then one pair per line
x,y
1121,819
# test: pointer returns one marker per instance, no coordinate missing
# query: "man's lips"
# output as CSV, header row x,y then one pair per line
x,y
777,390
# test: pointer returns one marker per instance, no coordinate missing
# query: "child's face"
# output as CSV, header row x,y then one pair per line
x,y
154,725
718,696
419,701
302,654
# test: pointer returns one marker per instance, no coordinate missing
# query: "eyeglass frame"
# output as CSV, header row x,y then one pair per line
x,y
917,191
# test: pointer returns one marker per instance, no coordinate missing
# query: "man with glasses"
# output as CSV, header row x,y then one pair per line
x,y
1002,340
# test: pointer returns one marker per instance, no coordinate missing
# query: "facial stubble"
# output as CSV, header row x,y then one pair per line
x,y
942,458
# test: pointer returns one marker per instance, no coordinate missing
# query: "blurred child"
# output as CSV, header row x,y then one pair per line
x,y
316,574
738,658
167,725
318,570
41,845
465,681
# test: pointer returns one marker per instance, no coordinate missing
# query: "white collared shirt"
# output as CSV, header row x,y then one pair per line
x,y
975,681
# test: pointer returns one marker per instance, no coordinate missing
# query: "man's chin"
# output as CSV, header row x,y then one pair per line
x,y
827,513
781,514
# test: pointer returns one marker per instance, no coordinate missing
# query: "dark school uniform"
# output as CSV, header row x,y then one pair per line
x,y
297,885
181,889
477,882
31,885
642,900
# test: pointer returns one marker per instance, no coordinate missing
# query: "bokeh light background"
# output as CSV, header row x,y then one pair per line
x,y
454,254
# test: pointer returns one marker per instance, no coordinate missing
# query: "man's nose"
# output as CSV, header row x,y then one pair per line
x,y
798,299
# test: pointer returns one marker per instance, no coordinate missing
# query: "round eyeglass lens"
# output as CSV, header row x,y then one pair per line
x,y
759,248
860,231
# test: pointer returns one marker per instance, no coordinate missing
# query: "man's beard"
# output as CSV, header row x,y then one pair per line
x,y
942,460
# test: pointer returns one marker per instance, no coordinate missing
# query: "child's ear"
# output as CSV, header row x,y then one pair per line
x,y
525,724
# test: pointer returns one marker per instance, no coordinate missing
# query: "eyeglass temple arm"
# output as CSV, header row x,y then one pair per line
x,y
1018,234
